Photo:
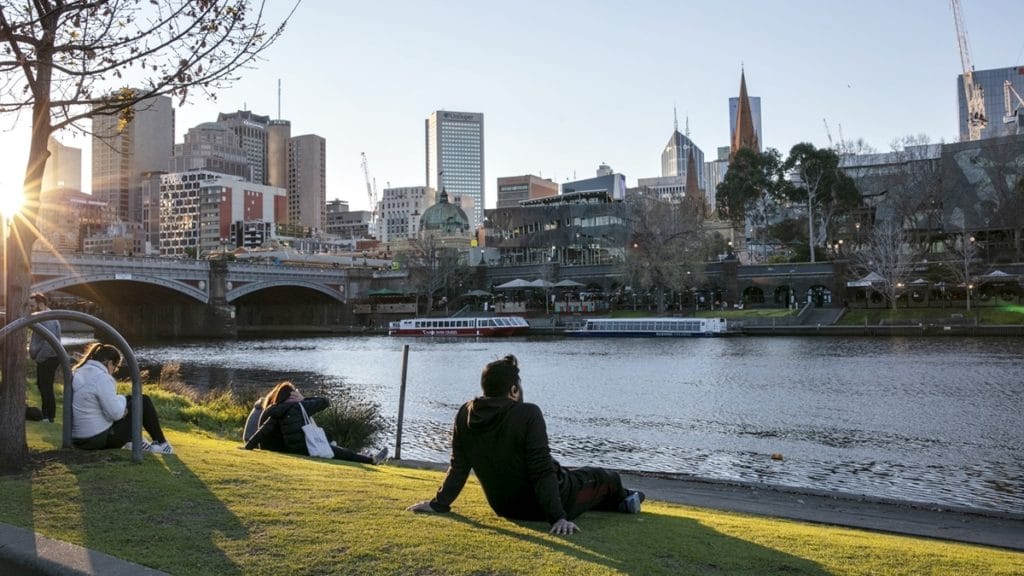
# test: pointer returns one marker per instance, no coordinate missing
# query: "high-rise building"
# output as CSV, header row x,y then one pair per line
x,y
63,169
210,146
515,189
252,136
455,158
401,209
202,211
744,131
1003,89
120,158
675,158
279,133
307,182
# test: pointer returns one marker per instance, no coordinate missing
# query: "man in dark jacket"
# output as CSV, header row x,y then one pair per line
x,y
505,441
45,356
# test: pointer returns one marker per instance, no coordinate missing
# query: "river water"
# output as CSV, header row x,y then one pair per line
x,y
931,420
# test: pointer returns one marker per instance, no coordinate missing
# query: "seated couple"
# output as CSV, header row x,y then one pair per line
x,y
276,421
505,441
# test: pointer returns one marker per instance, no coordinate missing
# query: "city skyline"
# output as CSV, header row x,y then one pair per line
x,y
580,84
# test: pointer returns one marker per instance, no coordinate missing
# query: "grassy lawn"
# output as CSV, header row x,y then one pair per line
x,y
215,509
1007,314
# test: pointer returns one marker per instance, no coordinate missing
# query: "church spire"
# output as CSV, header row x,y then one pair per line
x,y
745,136
694,195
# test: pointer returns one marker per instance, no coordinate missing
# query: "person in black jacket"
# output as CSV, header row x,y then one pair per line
x,y
505,441
281,421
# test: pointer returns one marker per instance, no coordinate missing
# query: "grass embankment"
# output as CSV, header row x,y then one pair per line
x,y
215,509
1002,315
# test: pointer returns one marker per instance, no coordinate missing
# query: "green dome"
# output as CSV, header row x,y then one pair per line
x,y
445,218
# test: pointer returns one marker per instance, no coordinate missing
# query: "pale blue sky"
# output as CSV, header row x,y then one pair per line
x,y
568,85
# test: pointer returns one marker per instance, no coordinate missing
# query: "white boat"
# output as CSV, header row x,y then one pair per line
x,y
469,326
619,327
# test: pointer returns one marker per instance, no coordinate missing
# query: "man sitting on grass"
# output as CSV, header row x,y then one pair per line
x,y
505,441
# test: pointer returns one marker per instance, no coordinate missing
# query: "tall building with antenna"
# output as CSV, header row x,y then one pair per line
x,y
675,158
279,132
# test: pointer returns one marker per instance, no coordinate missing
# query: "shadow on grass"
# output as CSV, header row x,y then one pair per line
x,y
164,509
656,544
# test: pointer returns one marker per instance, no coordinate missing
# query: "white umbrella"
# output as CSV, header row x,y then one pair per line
x,y
517,283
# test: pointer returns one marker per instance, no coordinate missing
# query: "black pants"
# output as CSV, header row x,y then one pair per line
x,y
346,454
46,371
120,431
590,488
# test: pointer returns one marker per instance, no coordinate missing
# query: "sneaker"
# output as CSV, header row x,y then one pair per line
x,y
161,448
145,446
380,456
631,504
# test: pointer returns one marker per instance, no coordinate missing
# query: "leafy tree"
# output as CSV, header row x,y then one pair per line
x,y
751,189
667,250
887,253
63,62
828,193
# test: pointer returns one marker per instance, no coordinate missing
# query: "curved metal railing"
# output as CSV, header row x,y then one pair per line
x,y
32,322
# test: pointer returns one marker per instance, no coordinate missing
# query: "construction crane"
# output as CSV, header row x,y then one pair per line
x,y
1011,110
976,119
371,190
828,133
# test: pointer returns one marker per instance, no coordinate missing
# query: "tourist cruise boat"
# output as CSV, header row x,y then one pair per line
x,y
469,326
651,327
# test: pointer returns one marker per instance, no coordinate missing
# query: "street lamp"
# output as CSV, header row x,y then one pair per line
x,y
967,270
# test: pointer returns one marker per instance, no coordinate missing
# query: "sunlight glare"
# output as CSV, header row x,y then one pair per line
x,y
10,202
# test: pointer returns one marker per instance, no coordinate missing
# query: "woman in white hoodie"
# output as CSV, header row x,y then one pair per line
x,y
101,417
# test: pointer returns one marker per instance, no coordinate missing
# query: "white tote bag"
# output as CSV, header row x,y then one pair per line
x,y
316,440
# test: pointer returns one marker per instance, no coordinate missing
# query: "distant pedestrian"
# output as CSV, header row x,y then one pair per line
x,y
44,356
505,442
102,418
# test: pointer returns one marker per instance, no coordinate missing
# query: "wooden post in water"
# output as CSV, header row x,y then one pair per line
x,y
401,402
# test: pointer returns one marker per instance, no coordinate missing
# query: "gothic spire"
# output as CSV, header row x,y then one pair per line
x,y
745,136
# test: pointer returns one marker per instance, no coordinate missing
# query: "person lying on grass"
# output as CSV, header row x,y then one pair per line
x,y
505,441
281,421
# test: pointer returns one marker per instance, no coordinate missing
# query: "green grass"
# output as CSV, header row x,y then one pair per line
x,y
215,509
730,314
1007,314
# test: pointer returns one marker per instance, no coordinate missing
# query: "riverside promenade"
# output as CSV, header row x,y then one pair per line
x,y
25,553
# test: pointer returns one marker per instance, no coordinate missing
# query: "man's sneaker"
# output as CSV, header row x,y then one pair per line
x,y
146,446
380,456
631,504
161,448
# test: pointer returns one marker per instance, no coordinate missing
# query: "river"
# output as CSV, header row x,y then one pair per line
x,y
935,420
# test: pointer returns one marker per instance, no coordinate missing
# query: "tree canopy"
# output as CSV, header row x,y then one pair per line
x,y
63,62
827,192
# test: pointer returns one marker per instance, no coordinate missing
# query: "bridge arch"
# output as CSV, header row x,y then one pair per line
x,y
69,281
252,287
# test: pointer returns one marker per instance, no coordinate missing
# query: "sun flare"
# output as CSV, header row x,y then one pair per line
x,y
10,202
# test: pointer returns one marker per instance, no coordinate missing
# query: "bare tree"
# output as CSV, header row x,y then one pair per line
x,y
888,255
963,256
667,248
914,189
63,62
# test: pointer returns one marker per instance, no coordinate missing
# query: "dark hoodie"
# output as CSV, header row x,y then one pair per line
x,y
506,443
281,426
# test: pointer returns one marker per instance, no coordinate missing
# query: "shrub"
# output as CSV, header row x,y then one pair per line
x,y
354,425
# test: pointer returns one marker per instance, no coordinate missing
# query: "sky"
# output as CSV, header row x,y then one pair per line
x,y
567,85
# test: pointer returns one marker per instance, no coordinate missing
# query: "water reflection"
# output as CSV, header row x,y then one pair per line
x,y
934,420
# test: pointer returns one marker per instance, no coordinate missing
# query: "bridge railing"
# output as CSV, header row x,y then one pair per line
x,y
33,322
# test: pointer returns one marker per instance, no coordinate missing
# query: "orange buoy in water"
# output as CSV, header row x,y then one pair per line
x,y
776,456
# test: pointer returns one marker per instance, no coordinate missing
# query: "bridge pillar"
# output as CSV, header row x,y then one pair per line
x,y
220,319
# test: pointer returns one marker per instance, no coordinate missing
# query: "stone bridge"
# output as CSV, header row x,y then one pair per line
x,y
183,297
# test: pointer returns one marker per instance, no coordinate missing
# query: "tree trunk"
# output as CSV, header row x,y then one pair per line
x,y
18,266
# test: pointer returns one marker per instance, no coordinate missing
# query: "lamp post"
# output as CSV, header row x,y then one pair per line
x,y
967,271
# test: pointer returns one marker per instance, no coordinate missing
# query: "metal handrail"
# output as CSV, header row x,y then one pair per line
x,y
31,322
